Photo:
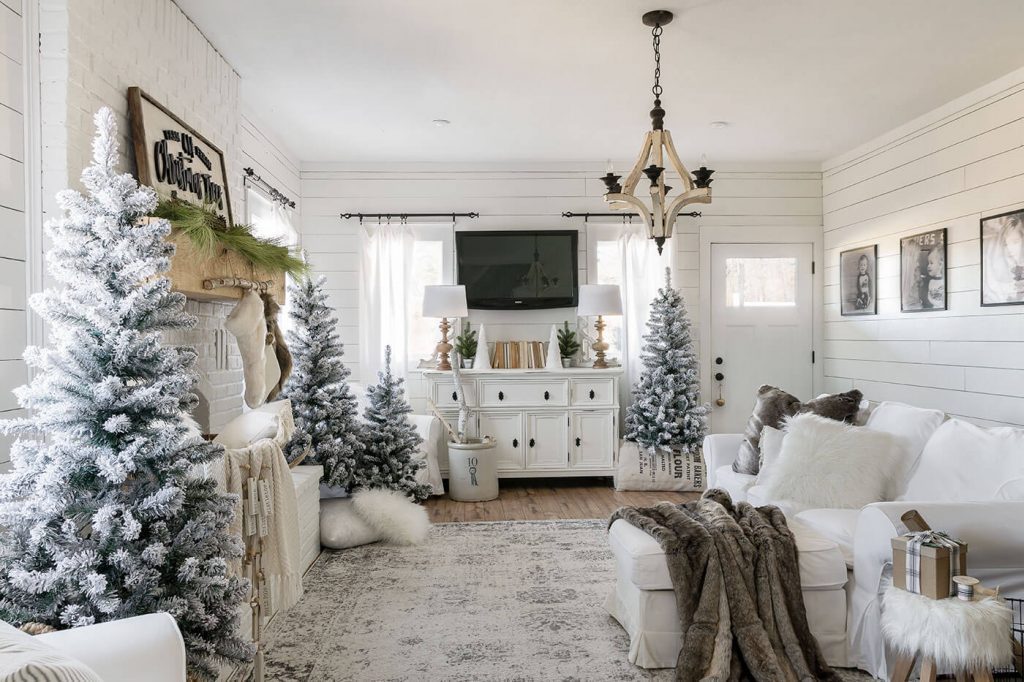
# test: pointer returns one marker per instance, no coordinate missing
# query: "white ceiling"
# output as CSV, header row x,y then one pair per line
x,y
565,80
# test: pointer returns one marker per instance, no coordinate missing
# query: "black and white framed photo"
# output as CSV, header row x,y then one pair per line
x,y
923,271
858,277
1002,259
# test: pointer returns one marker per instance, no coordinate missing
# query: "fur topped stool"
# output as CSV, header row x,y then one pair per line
x,y
951,635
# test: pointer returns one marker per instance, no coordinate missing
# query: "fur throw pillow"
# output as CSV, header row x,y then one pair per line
x,y
832,465
842,407
371,516
772,407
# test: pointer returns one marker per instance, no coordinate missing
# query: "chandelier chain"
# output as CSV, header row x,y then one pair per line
x,y
656,33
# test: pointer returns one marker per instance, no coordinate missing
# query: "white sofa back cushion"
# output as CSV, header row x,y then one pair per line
x,y
966,463
912,427
826,463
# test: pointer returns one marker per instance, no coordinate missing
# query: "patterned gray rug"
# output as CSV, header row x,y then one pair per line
x,y
510,600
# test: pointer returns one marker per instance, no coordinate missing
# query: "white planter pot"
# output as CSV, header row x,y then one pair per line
x,y
566,363
467,363
473,470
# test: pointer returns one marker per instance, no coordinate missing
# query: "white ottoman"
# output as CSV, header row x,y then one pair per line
x,y
645,605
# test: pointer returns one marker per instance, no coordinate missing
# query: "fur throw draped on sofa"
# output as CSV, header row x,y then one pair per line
x,y
737,584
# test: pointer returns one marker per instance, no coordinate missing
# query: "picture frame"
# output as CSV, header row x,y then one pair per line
x,y
1001,239
858,281
923,271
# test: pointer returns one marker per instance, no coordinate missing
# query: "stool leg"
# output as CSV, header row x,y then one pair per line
x,y
928,670
983,675
901,671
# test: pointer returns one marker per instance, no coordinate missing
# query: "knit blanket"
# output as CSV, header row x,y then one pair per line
x,y
736,578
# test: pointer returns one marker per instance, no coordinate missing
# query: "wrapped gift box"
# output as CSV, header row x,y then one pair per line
x,y
936,567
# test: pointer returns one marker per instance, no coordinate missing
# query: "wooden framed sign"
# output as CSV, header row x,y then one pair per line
x,y
175,159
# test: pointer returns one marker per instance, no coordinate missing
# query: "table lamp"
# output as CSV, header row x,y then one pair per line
x,y
444,301
600,300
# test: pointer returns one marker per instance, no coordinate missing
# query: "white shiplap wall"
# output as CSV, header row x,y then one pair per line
x,y
520,196
13,316
948,168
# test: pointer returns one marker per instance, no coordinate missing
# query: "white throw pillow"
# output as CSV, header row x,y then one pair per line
x,y
22,657
248,428
341,527
967,463
912,426
829,464
771,448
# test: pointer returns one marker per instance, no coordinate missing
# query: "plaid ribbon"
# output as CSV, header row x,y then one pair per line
x,y
934,538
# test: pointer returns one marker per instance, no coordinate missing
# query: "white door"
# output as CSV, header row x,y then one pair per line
x,y
506,428
761,327
593,439
547,436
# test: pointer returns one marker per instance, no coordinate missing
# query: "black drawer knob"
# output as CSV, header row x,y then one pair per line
x,y
455,396
501,395
592,394
515,442
532,442
577,441
719,376
547,396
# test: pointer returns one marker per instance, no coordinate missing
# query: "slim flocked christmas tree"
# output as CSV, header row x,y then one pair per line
x,y
103,514
326,414
391,439
666,411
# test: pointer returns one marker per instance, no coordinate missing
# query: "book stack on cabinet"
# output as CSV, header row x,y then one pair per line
x,y
518,355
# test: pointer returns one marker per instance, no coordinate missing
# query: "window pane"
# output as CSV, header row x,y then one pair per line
x,y
760,282
427,269
609,271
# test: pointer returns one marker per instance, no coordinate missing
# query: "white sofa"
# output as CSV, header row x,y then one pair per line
x,y
142,648
963,479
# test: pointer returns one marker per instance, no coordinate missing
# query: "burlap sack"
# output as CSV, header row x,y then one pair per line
x,y
651,469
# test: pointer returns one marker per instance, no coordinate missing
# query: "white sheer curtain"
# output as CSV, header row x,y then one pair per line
x,y
385,304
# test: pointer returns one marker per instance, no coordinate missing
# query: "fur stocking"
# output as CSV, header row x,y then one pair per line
x,y
247,324
277,347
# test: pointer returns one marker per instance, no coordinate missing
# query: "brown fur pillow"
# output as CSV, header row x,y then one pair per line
x,y
772,407
839,406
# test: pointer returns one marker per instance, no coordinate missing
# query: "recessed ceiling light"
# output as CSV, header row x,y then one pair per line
x,y
719,124
441,122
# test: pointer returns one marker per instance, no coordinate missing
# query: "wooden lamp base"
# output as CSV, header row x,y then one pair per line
x,y
600,346
444,348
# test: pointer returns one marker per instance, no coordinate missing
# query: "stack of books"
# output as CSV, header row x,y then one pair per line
x,y
518,355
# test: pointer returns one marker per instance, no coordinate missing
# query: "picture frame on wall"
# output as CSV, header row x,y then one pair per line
x,y
858,279
1002,259
923,271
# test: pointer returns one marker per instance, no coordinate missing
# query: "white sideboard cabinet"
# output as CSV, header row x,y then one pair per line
x,y
546,423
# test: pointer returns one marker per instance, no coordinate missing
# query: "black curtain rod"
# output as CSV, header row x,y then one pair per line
x,y
624,216
406,216
275,194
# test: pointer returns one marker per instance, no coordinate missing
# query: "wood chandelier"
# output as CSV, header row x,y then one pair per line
x,y
657,148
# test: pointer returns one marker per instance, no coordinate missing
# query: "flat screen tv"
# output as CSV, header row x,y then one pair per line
x,y
518,270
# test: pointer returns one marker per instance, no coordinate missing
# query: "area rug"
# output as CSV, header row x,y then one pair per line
x,y
508,600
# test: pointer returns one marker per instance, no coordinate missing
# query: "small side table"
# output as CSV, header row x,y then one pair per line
x,y
933,631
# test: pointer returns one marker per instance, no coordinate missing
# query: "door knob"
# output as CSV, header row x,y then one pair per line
x,y
515,442
719,361
719,376
532,442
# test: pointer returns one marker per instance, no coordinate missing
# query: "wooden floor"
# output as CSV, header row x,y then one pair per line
x,y
545,499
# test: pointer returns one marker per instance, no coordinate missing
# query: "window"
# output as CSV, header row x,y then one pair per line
x,y
608,270
433,258
271,220
760,282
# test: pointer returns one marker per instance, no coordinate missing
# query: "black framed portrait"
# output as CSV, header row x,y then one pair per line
x,y
923,271
1002,259
858,279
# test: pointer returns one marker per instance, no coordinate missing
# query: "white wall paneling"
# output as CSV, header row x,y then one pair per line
x,y
948,168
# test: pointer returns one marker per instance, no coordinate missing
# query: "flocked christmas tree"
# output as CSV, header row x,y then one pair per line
x,y
666,411
103,514
326,414
391,439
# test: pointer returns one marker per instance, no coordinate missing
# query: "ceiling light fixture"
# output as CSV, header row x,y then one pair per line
x,y
661,217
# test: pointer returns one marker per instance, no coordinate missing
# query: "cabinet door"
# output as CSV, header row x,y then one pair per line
x,y
507,429
547,436
593,439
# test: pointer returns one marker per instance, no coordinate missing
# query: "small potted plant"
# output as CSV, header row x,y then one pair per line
x,y
465,346
568,344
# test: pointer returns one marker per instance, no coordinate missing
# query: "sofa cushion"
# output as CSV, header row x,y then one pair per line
x,y
734,483
758,496
772,406
830,464
912,426
837,525
967,463
23,657
771,448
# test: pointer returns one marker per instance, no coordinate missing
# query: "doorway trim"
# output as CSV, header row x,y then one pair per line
x,y
749,234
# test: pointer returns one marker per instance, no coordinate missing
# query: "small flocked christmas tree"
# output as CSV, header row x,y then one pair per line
x,y
666,411
103,514
391,439
326,414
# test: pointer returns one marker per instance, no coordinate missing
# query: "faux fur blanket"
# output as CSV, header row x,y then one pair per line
x,y
737,582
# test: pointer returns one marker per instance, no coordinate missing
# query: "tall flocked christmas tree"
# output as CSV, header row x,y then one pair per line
x,y
326,414
666,411
104,515
391,439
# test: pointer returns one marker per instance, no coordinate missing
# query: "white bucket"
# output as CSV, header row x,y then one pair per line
x,y
472,471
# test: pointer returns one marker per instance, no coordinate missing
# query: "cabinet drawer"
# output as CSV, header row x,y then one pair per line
x,y
443,393
593,392
498,393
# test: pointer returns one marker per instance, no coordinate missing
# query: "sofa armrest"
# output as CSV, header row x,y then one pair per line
x,y
720,449
141,648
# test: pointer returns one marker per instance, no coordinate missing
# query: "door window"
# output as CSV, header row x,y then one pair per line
x,y
760,282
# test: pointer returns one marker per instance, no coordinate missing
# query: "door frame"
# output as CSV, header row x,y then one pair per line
x,y
715,234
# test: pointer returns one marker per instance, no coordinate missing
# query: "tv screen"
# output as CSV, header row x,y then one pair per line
x,y
518,270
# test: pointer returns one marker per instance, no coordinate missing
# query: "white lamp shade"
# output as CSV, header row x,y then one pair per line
x,y
599,299
444,301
